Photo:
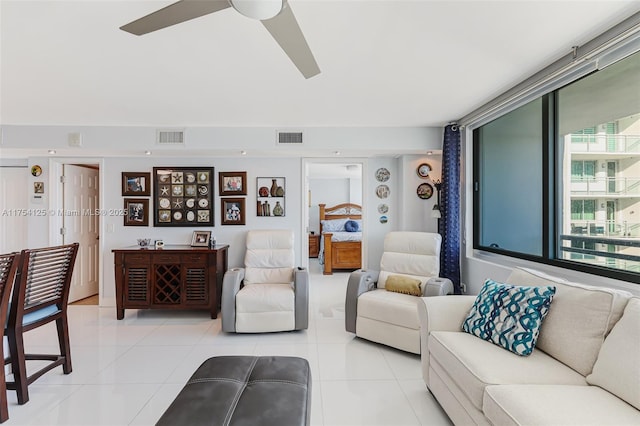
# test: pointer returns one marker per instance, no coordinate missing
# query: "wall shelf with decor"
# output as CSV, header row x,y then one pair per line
x,y
270,200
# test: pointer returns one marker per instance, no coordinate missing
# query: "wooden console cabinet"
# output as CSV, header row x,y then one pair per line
x,y
173,277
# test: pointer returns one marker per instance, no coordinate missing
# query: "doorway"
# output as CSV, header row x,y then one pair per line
x,y
76,200
330,182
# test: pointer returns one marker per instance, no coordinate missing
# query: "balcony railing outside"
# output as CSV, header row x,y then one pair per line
x,y
617,186
598,251
605,143
605,228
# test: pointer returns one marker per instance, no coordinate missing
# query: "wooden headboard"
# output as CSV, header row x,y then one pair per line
x,y
339,211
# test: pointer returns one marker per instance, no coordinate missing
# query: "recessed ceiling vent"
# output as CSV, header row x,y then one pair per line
x,y
170,137
289,138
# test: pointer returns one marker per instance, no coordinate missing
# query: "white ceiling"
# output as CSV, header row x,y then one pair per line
x,y
384,63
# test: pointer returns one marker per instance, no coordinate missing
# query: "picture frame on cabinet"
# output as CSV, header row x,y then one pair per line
x,y
200,238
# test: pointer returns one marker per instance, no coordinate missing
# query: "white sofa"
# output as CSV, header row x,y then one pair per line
x,y
585,369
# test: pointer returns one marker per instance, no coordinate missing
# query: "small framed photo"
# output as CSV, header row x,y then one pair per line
x,y
233,211
38,187
136,212
136,184
200,238
232,183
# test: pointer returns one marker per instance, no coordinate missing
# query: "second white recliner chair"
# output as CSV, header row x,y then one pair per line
x,y
388,317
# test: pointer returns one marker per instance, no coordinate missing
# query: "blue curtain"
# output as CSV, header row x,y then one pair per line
x,y
449,224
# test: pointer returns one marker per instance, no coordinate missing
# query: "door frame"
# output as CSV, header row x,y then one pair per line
x,y
56,203
304,197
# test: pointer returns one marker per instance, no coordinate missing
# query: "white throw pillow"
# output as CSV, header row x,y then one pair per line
x,y
618,366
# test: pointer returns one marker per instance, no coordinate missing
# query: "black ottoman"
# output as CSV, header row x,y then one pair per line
x,y
244,390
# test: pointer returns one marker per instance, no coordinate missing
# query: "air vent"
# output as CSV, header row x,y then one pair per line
x,y
170,137
287,138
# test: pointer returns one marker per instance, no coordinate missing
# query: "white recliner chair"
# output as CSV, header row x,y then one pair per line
x,y
269,294
390,317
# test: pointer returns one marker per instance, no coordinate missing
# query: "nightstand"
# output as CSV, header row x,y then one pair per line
x,y
314,245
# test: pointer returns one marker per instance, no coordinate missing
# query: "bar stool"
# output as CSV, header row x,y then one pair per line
x,y
39,297
8,266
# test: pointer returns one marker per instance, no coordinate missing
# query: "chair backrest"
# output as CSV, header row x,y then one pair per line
x,y
270,257
8,267
43,279
411,254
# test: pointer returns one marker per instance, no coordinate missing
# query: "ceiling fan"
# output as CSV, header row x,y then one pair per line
x,y
275,15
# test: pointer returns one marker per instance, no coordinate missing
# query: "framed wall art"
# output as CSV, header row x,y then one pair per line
x,y
136,184
233,211
232,183
183,196
270,196
136,212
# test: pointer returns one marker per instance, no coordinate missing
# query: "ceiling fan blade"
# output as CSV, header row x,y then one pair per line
x,y
285,30
175,13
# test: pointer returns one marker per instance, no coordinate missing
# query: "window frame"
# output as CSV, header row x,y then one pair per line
x,y
552,217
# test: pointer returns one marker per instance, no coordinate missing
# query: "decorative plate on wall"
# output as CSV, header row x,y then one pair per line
x,y
382,191
383,208
423,170
424,191
382,174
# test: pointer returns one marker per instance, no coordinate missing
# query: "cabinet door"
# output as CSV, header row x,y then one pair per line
x,y
195,274
136,285
167,280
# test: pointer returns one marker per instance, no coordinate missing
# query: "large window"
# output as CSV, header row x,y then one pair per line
x,y
557,180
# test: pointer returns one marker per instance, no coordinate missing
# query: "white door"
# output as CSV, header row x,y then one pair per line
x,y
80,198
14,204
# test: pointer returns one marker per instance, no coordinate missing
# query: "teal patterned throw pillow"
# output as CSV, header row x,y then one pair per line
x,y
509,316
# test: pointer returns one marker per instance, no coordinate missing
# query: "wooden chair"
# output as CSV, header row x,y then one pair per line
x,y
8,266
39,297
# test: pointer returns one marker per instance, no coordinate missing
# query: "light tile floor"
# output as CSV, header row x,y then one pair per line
x,y
129,371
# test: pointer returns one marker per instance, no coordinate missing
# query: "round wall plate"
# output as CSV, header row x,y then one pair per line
x,y
423,170
382,174
424,191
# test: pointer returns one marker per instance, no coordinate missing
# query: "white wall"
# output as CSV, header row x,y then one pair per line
x,y
107,141
14,204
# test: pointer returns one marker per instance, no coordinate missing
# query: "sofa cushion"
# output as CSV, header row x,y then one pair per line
x,y
403,284
393,308
265,298
262,308
509,316
474,364
618,366
578,320
556,405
